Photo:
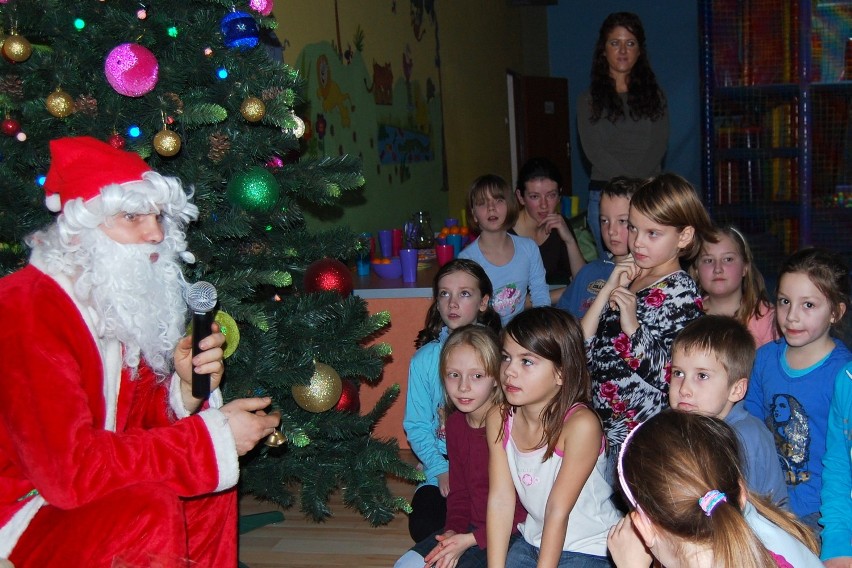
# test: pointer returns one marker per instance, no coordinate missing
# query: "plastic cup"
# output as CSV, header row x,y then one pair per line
x,y
365,253
386,243
408,260
456,242
444,254
362,264
396,241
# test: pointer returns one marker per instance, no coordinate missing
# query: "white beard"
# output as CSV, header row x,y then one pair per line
x,y
140,302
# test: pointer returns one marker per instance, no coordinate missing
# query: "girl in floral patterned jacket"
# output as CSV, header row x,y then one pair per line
x,y
647,300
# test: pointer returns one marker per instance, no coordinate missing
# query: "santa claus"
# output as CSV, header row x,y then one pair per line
x,y
106,458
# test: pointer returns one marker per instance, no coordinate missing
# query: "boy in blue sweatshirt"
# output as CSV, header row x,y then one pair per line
x,y
711,363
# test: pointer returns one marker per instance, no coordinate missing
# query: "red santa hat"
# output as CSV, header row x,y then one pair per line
x,y
82,166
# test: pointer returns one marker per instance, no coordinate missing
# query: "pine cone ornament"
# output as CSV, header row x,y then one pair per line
x,y
87,105
270,93
13,86
175,100
219,146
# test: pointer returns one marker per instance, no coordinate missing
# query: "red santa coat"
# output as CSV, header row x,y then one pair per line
x,y
57,405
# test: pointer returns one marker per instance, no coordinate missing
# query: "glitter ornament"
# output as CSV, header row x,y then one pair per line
x,y
263,7
254,190
298,129
117,141
322,392
349,399
275,163
10,126
59,103
16,48
328,275
230,330
253,109
131,69
166,143
239,30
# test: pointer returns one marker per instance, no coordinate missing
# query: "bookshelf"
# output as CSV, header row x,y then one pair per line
x,y
777,123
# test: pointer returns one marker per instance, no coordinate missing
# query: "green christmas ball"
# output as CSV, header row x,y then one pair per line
x,y
254,190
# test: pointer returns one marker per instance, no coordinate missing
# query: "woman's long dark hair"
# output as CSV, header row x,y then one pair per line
x,y
644,96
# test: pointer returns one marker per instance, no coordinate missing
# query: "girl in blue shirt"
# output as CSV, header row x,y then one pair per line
x,y
792,381
512,263
461,294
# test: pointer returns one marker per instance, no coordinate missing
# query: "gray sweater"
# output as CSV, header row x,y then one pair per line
x,y
632,148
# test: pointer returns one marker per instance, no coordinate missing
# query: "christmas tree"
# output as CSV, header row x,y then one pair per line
x,y
193,88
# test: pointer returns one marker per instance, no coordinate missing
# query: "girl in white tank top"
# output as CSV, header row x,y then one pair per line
x,y
548,447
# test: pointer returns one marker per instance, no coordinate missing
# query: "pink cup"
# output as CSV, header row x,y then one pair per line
x,y
396,241
444,254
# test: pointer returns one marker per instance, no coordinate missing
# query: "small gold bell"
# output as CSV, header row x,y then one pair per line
x,y
276,439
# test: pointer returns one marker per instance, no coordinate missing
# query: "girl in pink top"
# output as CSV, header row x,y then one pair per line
x,y
733,286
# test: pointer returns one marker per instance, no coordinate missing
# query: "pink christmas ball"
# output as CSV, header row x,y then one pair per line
x,y
264,7
131,69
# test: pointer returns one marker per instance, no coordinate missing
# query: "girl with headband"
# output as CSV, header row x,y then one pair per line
x,y
680,474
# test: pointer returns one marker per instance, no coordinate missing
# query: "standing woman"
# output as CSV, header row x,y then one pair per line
x,y
622,118
539,191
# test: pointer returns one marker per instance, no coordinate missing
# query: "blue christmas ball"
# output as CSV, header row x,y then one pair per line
x,y
239,30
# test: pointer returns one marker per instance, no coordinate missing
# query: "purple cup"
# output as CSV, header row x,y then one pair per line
x,y
386,242
408,259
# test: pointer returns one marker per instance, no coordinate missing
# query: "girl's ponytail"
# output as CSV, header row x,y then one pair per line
x,y
733,542
787,521
682,471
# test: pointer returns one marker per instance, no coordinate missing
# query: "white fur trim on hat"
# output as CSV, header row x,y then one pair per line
x,y
53,203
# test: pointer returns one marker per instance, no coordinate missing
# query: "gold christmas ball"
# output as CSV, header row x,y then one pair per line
x,y
322,392
17,48
59,103
167,143
276,439
253,109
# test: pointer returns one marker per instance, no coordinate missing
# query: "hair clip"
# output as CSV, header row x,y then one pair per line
x,y
710,500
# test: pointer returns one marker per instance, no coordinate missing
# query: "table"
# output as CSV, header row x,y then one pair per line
x,y
407,304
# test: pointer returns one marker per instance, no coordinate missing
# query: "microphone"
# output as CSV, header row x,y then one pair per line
x,y
201,299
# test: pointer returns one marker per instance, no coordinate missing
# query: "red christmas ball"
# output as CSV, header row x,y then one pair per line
x,y
10,127
349,399
116,141
328,275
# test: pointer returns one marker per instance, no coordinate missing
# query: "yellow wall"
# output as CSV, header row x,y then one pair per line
x,y
479,41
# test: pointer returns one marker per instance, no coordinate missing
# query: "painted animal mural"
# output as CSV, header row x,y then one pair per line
x,y
332,96
382,87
